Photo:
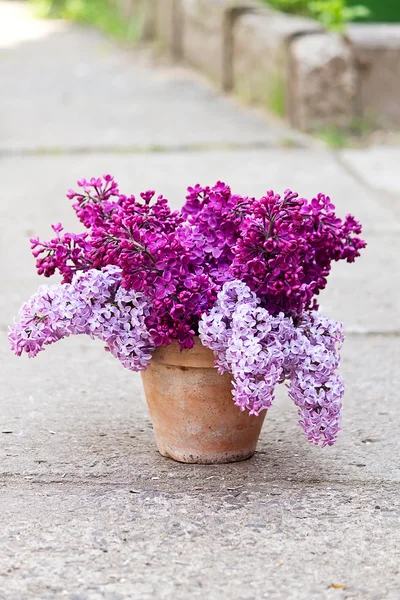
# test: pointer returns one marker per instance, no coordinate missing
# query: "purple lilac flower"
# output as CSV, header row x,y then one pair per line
x,y
248,342
95,304
214,216
262,350
141,237
286,247
282,248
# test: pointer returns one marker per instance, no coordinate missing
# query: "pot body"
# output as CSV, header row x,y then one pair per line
x,y
192,410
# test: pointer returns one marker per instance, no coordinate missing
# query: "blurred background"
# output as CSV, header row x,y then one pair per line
x,y
265,53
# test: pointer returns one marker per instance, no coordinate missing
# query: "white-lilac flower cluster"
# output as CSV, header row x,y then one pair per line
x,y
261,350
315,386
95,304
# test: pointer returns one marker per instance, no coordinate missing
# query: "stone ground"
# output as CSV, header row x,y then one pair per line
x,y
88,509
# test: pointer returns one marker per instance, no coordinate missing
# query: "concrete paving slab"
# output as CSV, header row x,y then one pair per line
x,y
98,95
91,542
249,172
74,412
365,296
377,166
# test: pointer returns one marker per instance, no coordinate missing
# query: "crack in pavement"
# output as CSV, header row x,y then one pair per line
x,y
284,142
13,478
389,198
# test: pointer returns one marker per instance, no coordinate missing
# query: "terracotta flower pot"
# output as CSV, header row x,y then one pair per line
x,y
191,406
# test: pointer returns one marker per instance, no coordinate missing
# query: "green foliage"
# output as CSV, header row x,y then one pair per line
x,y
361,127
381,11
356,135
276,99
334,14
333,137
289,142
298,7
99,13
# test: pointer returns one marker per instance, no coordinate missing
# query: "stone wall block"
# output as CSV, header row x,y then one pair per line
x,y
143,13
376,49
322,82
168,26
260,41
207,35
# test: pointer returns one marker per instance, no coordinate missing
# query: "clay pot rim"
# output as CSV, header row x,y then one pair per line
x,y
198,357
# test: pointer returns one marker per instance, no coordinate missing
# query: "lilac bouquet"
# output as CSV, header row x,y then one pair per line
x,y
241,273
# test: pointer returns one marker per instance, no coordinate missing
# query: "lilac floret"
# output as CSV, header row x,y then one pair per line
x,y
93,304
261,350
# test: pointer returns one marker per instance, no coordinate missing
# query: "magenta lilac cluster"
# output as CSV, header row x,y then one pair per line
x,y
244,273
286,248
148,242
282,247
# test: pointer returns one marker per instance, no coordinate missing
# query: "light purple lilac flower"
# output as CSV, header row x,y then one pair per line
x,y
250,347
262,350
95,304
315,387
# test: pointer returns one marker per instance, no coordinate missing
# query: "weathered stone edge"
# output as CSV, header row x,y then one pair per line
x,y
321,74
